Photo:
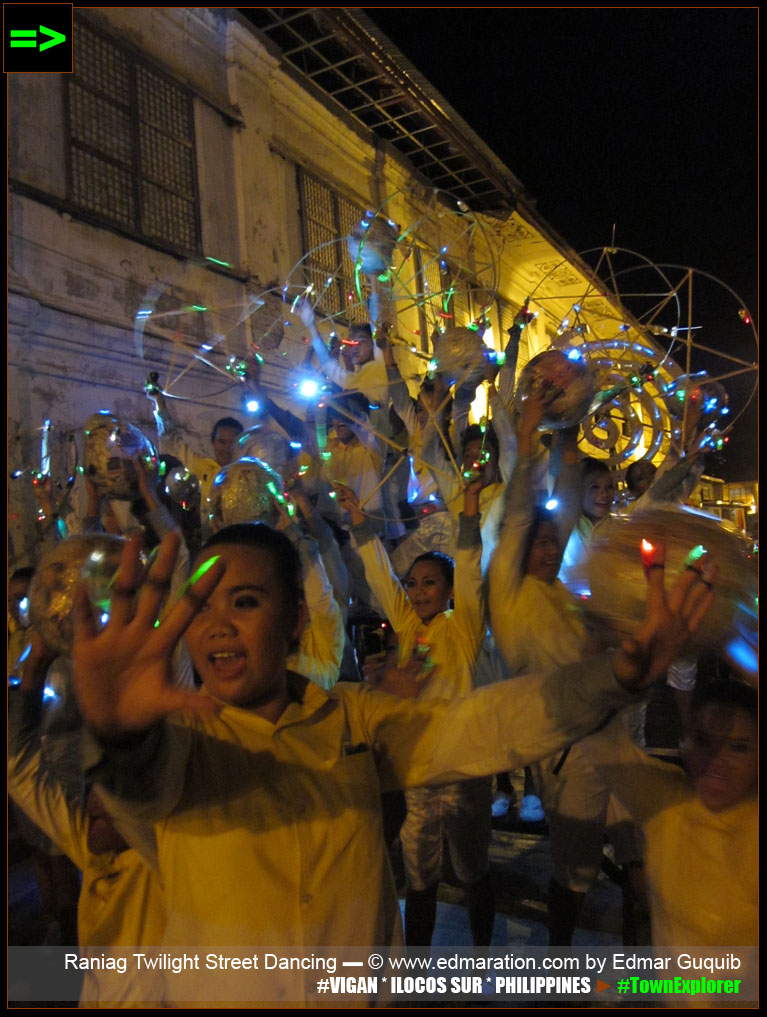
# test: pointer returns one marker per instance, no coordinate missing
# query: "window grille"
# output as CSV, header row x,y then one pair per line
x,y
132,144
327,218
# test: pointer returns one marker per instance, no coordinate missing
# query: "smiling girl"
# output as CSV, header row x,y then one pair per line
x,y
538,625
700,823
449,641
257,800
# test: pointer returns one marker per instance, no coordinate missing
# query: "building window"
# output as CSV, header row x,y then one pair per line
x,y
740,494
131,144
327,218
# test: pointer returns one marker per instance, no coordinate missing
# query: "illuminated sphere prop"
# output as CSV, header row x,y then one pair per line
x,y
567,384
271,448
460,354
701,393
91,558
110,445
182,486
372,244
245,492
615,576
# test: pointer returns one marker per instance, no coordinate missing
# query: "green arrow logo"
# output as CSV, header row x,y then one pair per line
x,y
23,40
27,38
55,38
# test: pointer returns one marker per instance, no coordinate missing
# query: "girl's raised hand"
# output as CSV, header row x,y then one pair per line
x,y
669,623
123,674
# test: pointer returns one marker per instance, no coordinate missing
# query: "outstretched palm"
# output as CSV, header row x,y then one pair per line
x,y
123,674
668,626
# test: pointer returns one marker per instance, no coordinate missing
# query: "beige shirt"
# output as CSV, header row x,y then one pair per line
x,y
702,867
453,638
270,834
120,902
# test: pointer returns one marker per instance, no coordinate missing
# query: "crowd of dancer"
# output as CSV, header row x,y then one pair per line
x,y
236,729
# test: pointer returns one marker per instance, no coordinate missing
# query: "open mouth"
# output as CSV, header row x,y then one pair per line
x,y
715,786
717,778
226,663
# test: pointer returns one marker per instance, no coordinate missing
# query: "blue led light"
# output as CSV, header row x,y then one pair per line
x,y
743,655
551,504
252,405
308,388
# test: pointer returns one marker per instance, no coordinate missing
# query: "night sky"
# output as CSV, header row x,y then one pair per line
x,y
646,119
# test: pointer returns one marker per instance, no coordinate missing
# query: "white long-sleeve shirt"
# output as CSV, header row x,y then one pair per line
x,y
270,834
453,637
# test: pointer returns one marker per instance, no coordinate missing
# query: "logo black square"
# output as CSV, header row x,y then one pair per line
x,y
37,38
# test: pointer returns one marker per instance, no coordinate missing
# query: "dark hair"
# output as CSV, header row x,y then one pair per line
x,y
23,573
726,692
352,404
591,465
226,422
474,432
634,470
447,410
541,515
363,326
264,538
443,561
427,386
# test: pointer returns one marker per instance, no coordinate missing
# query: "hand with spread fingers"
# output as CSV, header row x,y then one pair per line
x,y
670,620
123,674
